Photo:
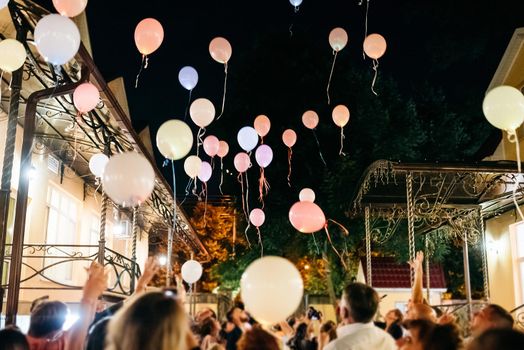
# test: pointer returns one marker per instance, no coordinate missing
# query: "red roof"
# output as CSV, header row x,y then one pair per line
x,y
387,273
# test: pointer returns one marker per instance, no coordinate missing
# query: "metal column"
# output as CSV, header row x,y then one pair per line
x,y
467,282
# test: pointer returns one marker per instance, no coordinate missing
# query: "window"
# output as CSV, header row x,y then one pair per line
x,y
518,260
62,215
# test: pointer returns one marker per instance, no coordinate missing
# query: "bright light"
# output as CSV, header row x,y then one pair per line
x,y
31,173
70,320
162,260
306,267
119,229
494,247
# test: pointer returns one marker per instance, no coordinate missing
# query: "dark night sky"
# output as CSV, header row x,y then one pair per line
x,y
454,45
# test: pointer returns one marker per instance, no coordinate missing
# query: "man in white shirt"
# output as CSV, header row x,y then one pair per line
x,y
358,306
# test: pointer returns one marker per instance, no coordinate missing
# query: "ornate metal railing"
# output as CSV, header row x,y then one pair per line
x,y
518,315
40,260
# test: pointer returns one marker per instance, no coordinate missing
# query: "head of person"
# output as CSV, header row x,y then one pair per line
x,y
13,339
393,316
427,335
330,329
204,314
257,339
47,318
358,304
209,326
155,320
96,335
492,316
236,315
498,338
417,311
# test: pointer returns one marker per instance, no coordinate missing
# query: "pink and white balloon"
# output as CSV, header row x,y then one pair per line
x,y
341,117
202,112
57,38
257,217
307,217
289,137
262,125
223,149
242,162
174,139
192,166
86,97
264,155
188,77
338,39
310,119
211,145
205,172
307,195
128,179
247,138
70,8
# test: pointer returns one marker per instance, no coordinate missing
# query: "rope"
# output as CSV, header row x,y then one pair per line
x,y
102,233
289,155
411,221
342,137
260,242
369,279
144,62
335,53
375,68
133,249
485,277
221,176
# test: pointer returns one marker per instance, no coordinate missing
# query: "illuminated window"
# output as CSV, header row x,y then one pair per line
x,y
62,214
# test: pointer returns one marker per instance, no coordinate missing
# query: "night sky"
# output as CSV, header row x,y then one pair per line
x,y
454,45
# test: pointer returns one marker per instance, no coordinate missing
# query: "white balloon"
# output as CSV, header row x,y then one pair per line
x,y
271,289
12,55
503,107
188,77
97,164
57,38
307,195
3,3
295,3
191,271
192,166
128,179
174,139
247,138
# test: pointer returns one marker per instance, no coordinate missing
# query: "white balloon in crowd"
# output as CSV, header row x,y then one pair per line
x,y
191,271
57,38
97,164
128,179
188,77
271,289
503,107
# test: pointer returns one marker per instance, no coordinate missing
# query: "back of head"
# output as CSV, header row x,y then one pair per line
x,y
154,320
257,339
330,328
499,317
361,301
13,339
495,339
444,337
97,334
46,318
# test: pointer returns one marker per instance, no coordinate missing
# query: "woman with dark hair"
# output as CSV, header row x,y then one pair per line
x,y
426,335
257,339
328,333
13,339
209,333
393,322
300,340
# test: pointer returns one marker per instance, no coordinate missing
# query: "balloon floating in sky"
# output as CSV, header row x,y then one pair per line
x,y
295,3
374,48
128,179
247,138
220,50
57,39
338,38
174,139
211,145
86,97
307,195
242,162
340,116
191,271
188,77
310,119
289,137
263,156
503,107
307,217
262,125
202,112
223,150
272,289
70,8
149,35
205,172
192,166
97,164
12,55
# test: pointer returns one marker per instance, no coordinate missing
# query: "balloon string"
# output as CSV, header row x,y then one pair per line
x,y
75,137
200,142
333,246
247,197
331,75
291,30
188,186
512,137
365,27
315,242
147,63
297,8
195,189
204,185
10,81
239,178
344,229
187,105
375,68
260,242
140,70
263,186
221,175
225,89
289,155
174,194
342,137
319,150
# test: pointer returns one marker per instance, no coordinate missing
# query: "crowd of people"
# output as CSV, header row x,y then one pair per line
x,y
157,320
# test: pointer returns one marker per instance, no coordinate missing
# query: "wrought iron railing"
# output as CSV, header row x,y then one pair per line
x,y
518,316
41,259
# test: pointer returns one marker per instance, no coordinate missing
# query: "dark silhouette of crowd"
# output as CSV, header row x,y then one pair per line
x,y
157,320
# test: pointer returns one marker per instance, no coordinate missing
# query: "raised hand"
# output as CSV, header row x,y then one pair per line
x,y
96,282
150,269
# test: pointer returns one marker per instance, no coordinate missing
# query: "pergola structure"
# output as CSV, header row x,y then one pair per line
x,y
43,94
448,199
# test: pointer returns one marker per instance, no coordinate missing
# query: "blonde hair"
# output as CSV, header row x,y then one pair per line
x,y
153,321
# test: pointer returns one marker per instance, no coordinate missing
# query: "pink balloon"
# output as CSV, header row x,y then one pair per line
x,y
205,172
375,46
310,119
289,137
257,217
149,35
86,97
220,50
307,217
340,115
223,149
264,155
70,8
211,145
262,125
242,162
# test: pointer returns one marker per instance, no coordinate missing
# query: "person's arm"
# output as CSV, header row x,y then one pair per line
x,y
94,287
181,290
417,295
150,269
